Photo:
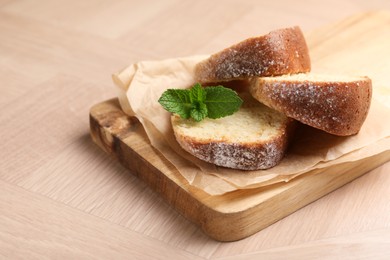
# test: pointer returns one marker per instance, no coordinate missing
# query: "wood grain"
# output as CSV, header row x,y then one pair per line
x,y
56,60
74,234
366,245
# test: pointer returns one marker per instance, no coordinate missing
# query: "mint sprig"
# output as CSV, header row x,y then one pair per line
x,y
199,103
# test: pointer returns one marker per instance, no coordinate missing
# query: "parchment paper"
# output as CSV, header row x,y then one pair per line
x,y
140,85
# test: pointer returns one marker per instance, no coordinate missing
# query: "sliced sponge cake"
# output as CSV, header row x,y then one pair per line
x,y
282,51
255,137
335,104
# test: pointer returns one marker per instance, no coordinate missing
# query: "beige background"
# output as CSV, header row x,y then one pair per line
x,y
61,197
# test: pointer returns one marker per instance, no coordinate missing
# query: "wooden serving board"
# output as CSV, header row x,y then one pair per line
x,y
239,214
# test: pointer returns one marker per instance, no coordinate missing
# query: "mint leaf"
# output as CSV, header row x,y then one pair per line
x,y
199,112
198,102
221,101
197,94
177,101
199,108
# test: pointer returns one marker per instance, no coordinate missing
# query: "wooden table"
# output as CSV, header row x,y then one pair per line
x,y
63,198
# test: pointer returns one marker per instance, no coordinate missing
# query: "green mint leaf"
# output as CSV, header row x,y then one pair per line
x,y
198,102
221,101
177,101
197,94
199,108
199,112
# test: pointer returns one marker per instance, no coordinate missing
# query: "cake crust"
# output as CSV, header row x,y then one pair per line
x,y
337,106
282,51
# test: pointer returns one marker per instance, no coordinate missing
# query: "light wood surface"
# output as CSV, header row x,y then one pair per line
x,y
62,197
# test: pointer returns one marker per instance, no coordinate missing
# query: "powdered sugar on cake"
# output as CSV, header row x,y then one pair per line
x,y
279,52
238,156
309,100
335,104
